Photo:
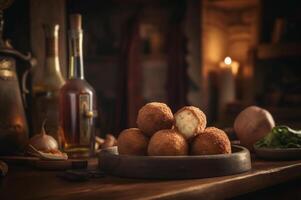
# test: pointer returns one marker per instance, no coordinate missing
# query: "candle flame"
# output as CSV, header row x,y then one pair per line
x,y
230,64
228,60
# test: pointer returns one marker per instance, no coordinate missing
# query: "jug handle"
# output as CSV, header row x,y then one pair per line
x,y
32,63
24,88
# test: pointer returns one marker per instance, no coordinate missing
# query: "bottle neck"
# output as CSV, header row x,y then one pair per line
x,y
52,49
76,69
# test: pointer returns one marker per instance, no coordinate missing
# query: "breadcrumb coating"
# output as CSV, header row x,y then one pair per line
x,y
132,142
153,117
167,143
211,141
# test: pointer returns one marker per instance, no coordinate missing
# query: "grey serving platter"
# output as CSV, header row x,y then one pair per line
x,y
174,167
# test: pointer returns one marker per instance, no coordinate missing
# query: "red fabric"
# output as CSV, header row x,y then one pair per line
x,y
129,98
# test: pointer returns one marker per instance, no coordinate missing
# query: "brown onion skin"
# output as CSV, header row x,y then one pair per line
x,y
252,124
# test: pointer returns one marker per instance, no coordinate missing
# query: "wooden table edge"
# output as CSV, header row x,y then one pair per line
x,y
249,182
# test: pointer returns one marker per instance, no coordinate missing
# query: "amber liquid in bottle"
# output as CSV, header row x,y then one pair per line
x,y
77,100
46,87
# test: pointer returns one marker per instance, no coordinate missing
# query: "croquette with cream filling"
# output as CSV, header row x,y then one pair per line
x,y
190,121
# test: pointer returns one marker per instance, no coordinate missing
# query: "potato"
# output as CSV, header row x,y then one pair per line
x,y
252,124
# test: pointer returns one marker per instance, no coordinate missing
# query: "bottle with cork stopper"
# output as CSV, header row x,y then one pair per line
x,y
77,99
76,21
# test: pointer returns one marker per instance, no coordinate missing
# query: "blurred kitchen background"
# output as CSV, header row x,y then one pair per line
x,y
219,55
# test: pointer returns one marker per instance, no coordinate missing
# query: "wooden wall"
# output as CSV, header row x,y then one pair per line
x,y
42,12
16,25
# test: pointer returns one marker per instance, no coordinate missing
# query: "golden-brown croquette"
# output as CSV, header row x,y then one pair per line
x,y
153,117
132,142
190,121
167,142
211,141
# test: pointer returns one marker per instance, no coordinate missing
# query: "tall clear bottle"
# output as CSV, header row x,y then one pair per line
x,y
47,86
77,99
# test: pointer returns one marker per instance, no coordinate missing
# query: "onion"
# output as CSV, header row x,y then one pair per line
x,y
252,124
43,142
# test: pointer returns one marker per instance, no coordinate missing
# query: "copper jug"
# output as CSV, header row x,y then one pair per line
x,y
13,124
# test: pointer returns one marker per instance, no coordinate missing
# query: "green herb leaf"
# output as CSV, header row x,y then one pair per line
x,y
281,137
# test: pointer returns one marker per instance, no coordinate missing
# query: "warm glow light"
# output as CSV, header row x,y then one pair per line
x,y
229,64
228,60
234,68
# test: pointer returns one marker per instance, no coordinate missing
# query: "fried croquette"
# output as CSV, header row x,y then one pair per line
x,y
153,117
190,121
211,141
167,142
132,142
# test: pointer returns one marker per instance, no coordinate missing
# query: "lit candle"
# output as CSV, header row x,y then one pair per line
x,y
229,63
228,71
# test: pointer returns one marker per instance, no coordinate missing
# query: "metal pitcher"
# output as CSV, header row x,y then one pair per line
x,y
13,123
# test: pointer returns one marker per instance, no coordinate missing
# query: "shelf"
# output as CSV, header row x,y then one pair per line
x,y
281,50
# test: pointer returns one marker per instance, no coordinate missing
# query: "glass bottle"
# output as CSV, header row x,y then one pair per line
x,y
77,100
46,89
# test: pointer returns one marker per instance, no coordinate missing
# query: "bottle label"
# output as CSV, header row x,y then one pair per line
x,y
85,106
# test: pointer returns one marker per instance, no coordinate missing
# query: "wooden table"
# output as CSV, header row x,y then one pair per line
x,y
27,183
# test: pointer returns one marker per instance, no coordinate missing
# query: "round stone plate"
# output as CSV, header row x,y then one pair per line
x,y
174,167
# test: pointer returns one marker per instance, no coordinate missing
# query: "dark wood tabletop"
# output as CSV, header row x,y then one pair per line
x,y
27,183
